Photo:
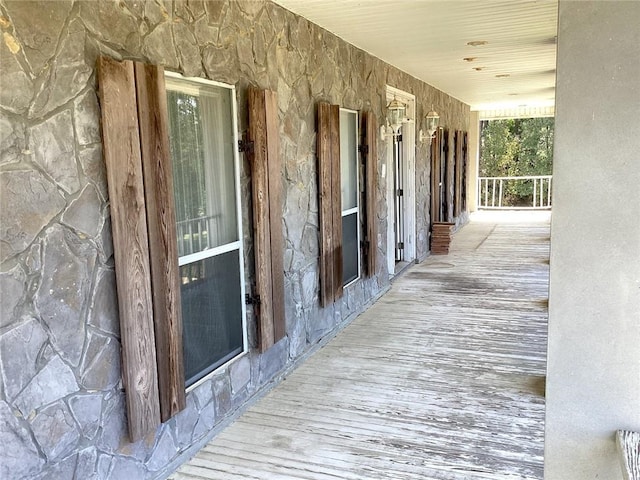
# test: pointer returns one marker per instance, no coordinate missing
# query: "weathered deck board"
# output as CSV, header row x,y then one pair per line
x,y
442,379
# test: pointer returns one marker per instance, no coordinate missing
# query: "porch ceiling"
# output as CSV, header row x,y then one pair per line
x,y
429,39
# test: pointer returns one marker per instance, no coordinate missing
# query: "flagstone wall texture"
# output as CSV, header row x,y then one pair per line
x,y
62,411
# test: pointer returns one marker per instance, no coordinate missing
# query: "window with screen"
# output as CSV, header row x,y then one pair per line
x,y
206,185
350,188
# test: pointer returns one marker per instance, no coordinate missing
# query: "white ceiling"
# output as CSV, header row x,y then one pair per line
x,y
428,39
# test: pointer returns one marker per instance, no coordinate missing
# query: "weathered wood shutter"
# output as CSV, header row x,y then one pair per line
x,y
163,246
370,154
458,162
268,243
465,165
436,152
134,130
449,178
330,201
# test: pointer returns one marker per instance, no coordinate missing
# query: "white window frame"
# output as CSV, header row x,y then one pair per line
x,y
177,82
355,209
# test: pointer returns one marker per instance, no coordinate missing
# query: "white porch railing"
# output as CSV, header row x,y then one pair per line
x,y
197,234
529,192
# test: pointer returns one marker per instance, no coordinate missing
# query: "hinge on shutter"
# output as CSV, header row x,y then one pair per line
x,y
400,246
364,149
400,192
245,146
252,299
399,138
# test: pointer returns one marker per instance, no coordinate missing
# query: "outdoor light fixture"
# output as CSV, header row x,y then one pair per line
x,y
432,119
396,117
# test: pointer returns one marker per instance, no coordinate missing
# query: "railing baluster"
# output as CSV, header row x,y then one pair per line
x,y
500,196
548,191
493,193
486,193
541,199
535,193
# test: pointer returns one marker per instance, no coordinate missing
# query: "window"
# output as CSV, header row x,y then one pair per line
x,y
202,137
350,193
339,192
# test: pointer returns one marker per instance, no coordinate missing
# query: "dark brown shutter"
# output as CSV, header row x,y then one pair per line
x,y
458,162
449,178
121,146
268,243
336,201
436,150
330,201
370,153
465,166
163,247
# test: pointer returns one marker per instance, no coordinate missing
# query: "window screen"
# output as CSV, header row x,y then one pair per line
x,y
350,196
203,170
205,181
210,295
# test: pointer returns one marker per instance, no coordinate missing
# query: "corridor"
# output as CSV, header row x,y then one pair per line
x,y
442,379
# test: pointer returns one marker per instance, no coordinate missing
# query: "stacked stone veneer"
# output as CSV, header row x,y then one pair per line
x,y
62,410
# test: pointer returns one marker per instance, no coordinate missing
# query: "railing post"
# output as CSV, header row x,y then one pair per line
x,y
535,192
548,191
500,196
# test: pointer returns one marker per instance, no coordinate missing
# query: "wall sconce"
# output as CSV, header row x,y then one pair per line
x,y
396,117
432,120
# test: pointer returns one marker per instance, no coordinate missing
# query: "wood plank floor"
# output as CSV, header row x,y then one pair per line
x,y
442,379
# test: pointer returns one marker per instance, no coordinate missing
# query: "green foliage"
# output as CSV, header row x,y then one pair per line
x,y
513,148
187,155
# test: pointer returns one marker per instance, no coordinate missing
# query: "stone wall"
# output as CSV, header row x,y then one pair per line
x,y
62,404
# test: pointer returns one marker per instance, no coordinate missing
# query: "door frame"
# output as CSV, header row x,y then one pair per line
x,y
409,181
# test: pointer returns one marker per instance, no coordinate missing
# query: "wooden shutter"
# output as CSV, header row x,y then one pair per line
x,y
121,145
268,243
465,165
330,201
370,154
436,150
449,177
163,247
444,176
458,164
135,139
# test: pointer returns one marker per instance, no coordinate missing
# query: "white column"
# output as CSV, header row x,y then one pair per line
x,y
473,161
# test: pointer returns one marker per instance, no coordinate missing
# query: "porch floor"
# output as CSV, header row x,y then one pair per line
x,y
442,379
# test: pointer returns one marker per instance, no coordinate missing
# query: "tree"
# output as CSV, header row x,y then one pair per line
x,y
516,147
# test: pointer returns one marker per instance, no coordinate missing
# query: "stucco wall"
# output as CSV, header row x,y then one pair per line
x,y
593,383
62,405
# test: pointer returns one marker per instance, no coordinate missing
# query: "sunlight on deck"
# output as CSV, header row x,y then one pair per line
x,y
442,379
